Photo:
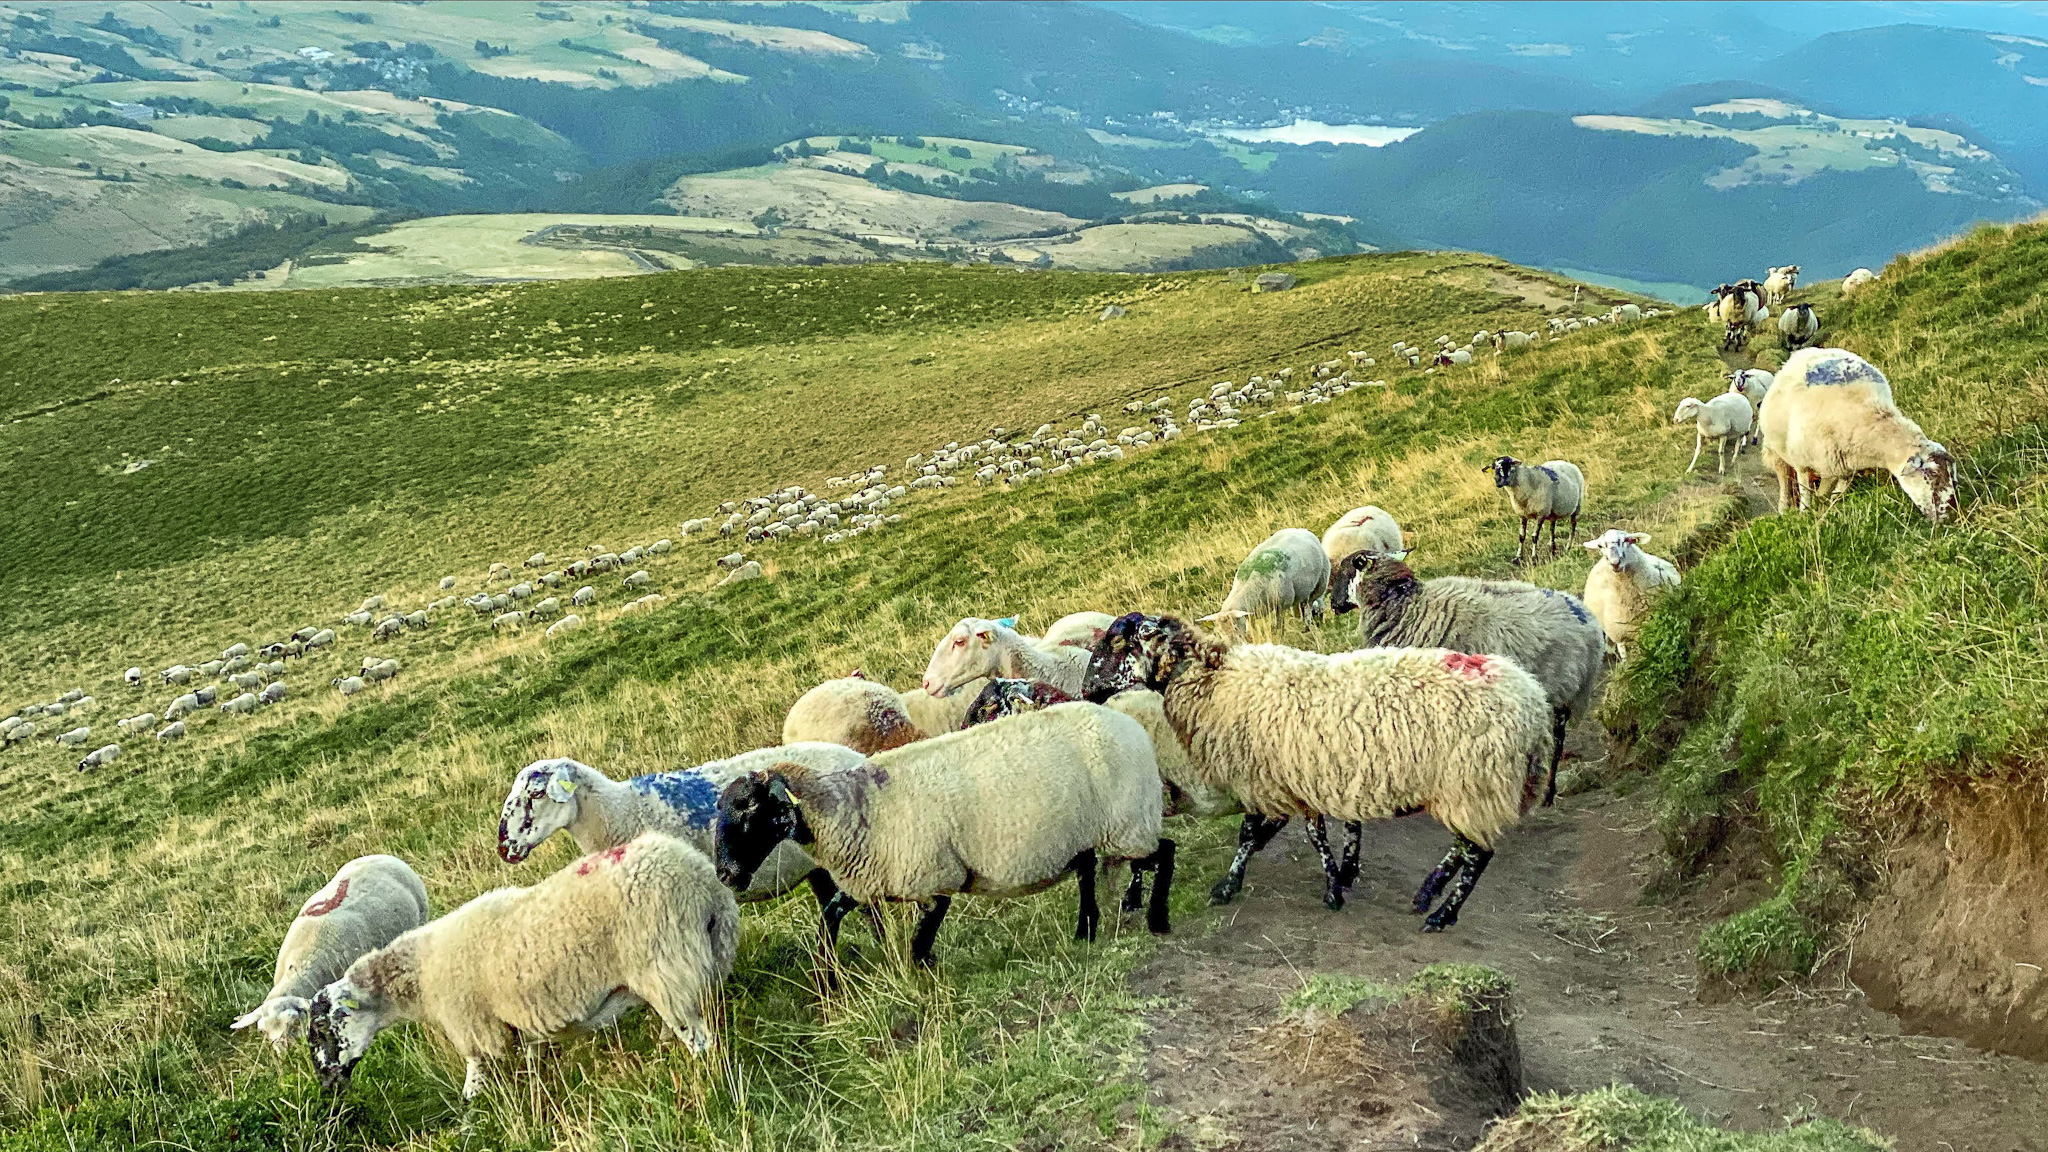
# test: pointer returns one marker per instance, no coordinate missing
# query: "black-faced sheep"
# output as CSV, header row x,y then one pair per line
x,y
1542,493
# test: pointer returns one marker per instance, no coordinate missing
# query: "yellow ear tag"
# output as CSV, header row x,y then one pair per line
x,y
567,785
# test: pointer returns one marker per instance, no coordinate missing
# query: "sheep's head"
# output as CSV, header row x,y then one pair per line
x,y
1688,410
1004,697
1503,469
541,803
1368,579
1929,477
281,1019
1618,548
966,653
755,813
1138,651
340,1024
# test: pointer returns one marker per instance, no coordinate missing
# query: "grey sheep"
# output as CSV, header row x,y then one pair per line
x,y
1545,493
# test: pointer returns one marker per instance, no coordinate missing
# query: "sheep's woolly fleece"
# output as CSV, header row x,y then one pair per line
x,y
366,905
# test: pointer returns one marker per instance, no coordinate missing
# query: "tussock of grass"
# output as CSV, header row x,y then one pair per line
x,y
1618,1118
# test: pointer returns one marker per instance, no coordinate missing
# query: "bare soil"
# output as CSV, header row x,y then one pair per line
x,y
1606,986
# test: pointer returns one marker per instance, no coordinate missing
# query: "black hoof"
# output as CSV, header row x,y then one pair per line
x,y
1334,902
1222,894
1435,925
1160,929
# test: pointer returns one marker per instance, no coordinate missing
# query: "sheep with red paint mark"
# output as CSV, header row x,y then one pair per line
x,y
369,903
1365,735
641,923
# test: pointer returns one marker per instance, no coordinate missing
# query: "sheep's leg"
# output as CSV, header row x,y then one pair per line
x,y
1134,894
1252,836
1090,915
1156,916
1699,441
1786,499
1560,722
1453,861
473,1078
935,911
828,933
1522,540
1347,872
1476,860
1319,837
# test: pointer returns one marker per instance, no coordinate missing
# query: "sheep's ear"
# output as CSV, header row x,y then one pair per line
x,y
248,1019
984,635
560,788
856,674
1637,537
1593,545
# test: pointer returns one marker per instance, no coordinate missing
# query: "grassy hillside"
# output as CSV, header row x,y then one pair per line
x,y
311,448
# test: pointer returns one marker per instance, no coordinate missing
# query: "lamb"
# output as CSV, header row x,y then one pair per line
x,y
1619,586
1725,419
1829,416
976,648
854,711
172,731
1799,326
447,582
369,903
643,923
1857,279
1780,282
1545,493
1368,528
1288,570
1551,634
999,810
599,813
1364,735
563,627
104,754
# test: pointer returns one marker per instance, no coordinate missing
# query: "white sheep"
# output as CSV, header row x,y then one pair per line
x,y
1364,735
1551,634
584,596
271,694
176,674
998,810
1829,416
142,723
563,627
369,903
598,812
447,582
1367,529
324,638
1779,282
349,685
172,731
104,754
1545,493
1076,630
643,923
537,560
545,609
647,603
132,677
1287,571
1735,308
74,737
1857,279
1619,587
638,579
854,711
510,620
751,570
241,705
1725,419
934,715
976,648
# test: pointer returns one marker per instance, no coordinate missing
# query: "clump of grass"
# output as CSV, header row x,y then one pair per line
x,y
1773,939
1336,994
1616,1118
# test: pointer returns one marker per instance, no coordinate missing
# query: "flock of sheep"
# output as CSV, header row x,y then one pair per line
x,y
1020,759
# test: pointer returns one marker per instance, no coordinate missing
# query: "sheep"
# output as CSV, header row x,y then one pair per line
x,y
638,579
1734,308
176,674
998,810
74,737
271,694
1799,325
172,731
132,677
1857,279
1830,415
751,570
417,621
934,715
544,609
520,591
447,582
1551,634
507,620
1619,586
104,754
356,619
1545,493
1287,570
19,733
1725,419
647,603
1369,528
1779,282
210,668
348,685
380,671
598,812
643,923
246,680
1076,630
324,638
731,560
241,705
388,627
85,704
1364,735
563,627
537,560
182,706
497,571
369,903
140,723
976,648
1003,697
854,711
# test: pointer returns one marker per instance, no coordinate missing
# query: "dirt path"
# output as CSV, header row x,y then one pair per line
x,y
1606,987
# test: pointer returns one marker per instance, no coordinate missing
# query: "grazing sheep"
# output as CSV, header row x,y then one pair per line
x,y
349,685
563,627
388,627
142,723
550,796
369,903
1799,325
417,621
510,620
1545,493
853,711
584,596
1367,529
1364,735
271,694
241,705
1829,416
74,737
1735,307
380,671
132,677
246,680
1779,282
976,648
1724,419
206,695
183,706
172,731
545,609
731,560
176,674
324,638
1857,279
498,570
1551,634
447,582
637,579
751,570
353,620
647,603
1000,810
104,754
1618,588
537,560
1286,571
643,923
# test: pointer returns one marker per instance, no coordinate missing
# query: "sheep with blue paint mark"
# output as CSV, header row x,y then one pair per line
x,y
598,812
